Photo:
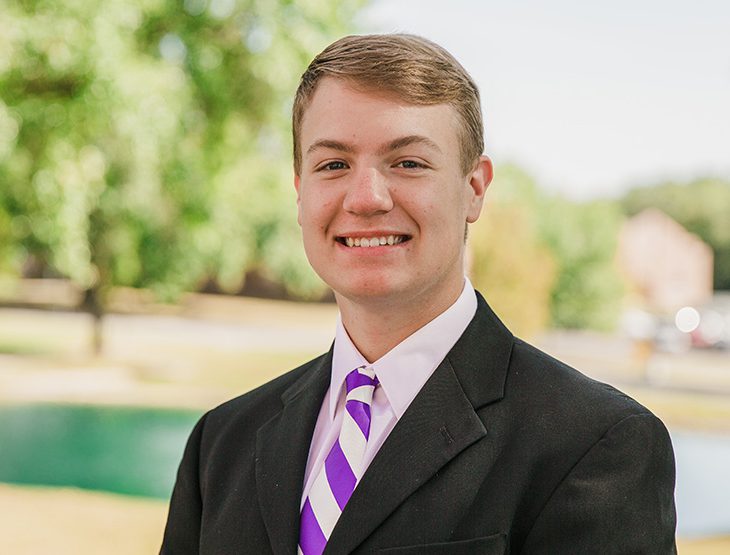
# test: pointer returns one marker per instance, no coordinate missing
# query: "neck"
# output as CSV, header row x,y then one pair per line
x,y
376,327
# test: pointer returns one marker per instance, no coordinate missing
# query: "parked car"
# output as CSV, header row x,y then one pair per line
x,y
706,326
713,328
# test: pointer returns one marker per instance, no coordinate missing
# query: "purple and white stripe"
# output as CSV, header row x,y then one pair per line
x,y
342,468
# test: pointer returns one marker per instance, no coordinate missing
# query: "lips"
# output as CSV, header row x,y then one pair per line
x,y
376,241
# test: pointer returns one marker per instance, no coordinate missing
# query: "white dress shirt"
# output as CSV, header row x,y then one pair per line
x,y
402,372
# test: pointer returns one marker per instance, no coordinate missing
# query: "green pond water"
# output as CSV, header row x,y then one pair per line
x,y
136,451
125,450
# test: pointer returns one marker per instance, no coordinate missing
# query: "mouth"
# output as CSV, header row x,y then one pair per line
x,y
377,241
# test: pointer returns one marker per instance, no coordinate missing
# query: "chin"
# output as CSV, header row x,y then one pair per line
x,y
367,288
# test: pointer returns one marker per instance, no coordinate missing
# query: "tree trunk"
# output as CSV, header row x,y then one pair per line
x,y
93,305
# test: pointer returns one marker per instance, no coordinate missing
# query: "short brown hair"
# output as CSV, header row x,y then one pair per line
x,y
412,68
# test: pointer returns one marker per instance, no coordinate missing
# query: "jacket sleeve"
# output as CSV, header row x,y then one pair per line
x,y
182,531
617,499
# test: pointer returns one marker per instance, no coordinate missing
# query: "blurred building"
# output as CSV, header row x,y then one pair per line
x,y
665,264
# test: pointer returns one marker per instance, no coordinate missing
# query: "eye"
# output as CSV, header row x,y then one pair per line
x,y
411,165
332,166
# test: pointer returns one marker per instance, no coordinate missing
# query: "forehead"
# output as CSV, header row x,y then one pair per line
x,y
342,111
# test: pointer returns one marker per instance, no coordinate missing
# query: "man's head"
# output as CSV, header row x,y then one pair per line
x,y
389,171
409,68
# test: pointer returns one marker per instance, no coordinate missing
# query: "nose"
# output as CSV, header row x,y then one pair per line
x,y
368,194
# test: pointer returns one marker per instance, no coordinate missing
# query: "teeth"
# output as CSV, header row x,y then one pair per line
x,y
373,241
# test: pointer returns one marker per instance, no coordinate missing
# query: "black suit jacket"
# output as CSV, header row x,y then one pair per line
x,y
504,450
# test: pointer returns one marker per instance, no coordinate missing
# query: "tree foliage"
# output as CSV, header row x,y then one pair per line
x,y
583,238
509,262
702,206
147,143
543,258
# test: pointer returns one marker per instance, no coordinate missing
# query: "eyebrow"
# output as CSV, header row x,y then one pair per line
x,y
401,142
330,144
395,144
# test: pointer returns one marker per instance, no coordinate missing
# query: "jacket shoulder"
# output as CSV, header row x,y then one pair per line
x,y
551,388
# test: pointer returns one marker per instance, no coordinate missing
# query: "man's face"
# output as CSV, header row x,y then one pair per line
x,y
382,200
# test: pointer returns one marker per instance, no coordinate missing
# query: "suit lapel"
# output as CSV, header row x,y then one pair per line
x,y
282,448
440,423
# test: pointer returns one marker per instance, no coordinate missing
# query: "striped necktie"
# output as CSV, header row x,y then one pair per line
x,y
342,469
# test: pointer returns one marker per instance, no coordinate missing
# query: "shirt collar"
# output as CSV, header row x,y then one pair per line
x,y
404,370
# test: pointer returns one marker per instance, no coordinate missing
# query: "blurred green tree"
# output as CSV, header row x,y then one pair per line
x,y
509,261
545,259
147,143
702,206
583,237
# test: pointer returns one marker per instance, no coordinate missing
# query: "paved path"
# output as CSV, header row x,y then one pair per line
x,y
211,348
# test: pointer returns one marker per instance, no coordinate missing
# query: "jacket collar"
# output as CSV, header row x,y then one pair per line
x,y
481,356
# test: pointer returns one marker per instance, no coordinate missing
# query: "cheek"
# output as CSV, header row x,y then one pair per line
x,y
443,215
317,213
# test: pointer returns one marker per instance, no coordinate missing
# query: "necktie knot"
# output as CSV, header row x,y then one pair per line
x,y
362,376
360,385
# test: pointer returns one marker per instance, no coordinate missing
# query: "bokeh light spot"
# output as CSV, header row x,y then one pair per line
x,y
172,48
687,319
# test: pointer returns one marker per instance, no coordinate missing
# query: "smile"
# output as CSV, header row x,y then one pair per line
x,y
372,241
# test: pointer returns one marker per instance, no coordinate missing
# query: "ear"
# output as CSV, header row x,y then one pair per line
x,y
478,180
297,188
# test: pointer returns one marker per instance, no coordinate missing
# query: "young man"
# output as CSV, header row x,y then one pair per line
x,y
428,428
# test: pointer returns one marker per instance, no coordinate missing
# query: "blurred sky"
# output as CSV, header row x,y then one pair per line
x,y
590,97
